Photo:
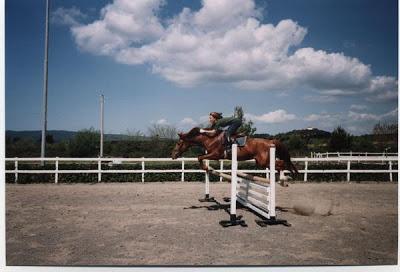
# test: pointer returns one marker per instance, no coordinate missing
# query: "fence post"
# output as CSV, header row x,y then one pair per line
x,y
16,170
234,162
267,174
207,196
143,168
56,174
99,169
348,170
390,171
183,170
271,204
305,170
221,168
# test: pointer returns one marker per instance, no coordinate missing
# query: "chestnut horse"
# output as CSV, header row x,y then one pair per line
x,y
255,148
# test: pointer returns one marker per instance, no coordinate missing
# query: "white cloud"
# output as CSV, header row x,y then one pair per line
x,y
187,121
372,117
393,113
278,116
363,116
383,88
122,24
67,16
317,117
162,122
320,98
224,41
357,107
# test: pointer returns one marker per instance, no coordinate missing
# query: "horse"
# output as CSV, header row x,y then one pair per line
x,y
255,148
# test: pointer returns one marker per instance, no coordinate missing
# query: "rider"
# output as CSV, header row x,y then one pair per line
x,y
217,122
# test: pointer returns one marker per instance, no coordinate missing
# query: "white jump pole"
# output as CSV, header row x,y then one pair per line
x,y
234,181
271,204
269,219
207,197
234,220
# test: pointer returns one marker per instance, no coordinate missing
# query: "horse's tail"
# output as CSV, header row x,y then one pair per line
x,y
283,154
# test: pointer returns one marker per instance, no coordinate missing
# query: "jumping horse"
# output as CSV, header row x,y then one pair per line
x,y
254,148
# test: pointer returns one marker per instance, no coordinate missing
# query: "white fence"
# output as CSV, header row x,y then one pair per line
x,y
389,160
350,154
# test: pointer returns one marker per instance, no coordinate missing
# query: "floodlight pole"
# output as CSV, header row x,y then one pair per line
x,y
45,84
101,124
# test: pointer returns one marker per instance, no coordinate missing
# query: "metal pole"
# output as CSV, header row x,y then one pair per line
x,y
45,84
101,124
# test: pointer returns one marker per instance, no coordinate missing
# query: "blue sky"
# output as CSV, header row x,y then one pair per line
x,y
290,64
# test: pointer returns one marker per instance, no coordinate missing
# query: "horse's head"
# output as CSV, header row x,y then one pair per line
x,y
185,141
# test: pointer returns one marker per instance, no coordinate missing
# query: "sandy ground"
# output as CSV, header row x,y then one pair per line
x,y
165,224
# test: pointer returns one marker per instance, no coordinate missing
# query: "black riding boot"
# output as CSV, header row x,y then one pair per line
x,y
228,143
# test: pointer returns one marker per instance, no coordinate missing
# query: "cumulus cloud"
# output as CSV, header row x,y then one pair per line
x,y
68,16
187,121
162,122
357,107
320,98
363,116
356,116
278,116
394,113
317,117
225,41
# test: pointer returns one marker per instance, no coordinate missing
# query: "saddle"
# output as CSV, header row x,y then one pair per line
x,y
239,139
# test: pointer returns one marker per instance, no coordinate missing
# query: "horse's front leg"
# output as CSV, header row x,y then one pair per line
x,y
210,156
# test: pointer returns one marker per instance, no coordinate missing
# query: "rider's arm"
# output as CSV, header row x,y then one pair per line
x,y
210,132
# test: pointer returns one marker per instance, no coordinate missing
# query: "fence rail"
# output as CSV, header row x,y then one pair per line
x,y
350,154
390,160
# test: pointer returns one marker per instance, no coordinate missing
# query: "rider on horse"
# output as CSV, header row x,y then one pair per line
x,y
217,122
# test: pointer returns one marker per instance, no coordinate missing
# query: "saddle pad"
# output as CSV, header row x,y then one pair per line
x,y
241,141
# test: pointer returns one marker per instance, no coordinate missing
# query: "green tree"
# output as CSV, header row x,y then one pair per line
x,y
163,131
86,143
295,142
26,147
362,144
247,127
340,140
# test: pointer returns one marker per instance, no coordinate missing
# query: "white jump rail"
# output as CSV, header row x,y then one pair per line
x,y
390,160
258,197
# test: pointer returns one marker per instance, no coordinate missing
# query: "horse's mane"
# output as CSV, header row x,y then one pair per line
x,y
193,132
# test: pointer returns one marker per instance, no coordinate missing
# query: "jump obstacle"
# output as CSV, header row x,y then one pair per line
x,y
255,193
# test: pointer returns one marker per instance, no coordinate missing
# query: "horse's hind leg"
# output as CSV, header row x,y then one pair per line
x,y
280,166
262,160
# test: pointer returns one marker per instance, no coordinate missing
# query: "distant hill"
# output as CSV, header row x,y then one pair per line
x,y
58,135
303,133
306,133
